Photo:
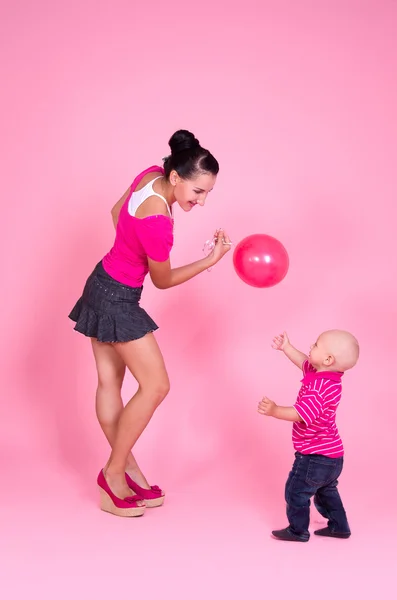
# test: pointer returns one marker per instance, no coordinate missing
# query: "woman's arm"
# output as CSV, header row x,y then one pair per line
x,y
164,277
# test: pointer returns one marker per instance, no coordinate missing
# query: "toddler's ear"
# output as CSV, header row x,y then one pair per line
x,y
329,361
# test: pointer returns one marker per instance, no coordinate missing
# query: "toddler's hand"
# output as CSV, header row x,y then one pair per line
x,y
266,407
280,341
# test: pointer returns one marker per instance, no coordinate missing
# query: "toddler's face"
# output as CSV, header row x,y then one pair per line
x,y
318,353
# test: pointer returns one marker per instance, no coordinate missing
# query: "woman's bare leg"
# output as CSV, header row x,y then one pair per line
x,y
109,404
123,426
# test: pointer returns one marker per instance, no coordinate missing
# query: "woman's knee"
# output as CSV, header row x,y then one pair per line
x,y
108,402
162,389
158,390
110,380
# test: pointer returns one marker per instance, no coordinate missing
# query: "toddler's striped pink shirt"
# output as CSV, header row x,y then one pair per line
x,y
317,401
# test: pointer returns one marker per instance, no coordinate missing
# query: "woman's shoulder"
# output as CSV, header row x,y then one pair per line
x,y
156,229
152,207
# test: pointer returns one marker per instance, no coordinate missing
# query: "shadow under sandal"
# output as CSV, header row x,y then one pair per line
x,y
287,536
327,532
153,497
126,507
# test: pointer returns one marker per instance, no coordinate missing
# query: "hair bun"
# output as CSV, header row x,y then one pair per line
x,y
183,140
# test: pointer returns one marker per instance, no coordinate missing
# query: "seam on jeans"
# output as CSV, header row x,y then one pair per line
x,y
288,498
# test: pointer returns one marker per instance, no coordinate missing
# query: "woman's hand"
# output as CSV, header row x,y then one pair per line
x,y
222,246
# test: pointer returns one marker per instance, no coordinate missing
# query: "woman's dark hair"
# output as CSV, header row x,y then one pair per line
x,y
188,158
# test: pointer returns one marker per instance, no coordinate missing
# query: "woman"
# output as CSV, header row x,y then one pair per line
x,y
121,331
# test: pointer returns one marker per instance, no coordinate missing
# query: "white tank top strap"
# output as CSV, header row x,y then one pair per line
x,y
159,195
137,198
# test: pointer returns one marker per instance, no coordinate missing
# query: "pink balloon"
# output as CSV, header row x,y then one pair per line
x,y
260,260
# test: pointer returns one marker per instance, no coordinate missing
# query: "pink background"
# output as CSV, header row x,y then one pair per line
x,y
298,101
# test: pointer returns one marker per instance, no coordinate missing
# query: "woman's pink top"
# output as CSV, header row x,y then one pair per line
x,y
138,239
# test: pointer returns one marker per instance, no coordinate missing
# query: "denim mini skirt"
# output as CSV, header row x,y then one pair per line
x,y
109,311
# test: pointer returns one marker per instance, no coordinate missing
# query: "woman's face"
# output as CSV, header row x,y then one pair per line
x,y
190,192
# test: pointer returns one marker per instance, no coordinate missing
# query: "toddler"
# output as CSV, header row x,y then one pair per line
x,y
318,446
